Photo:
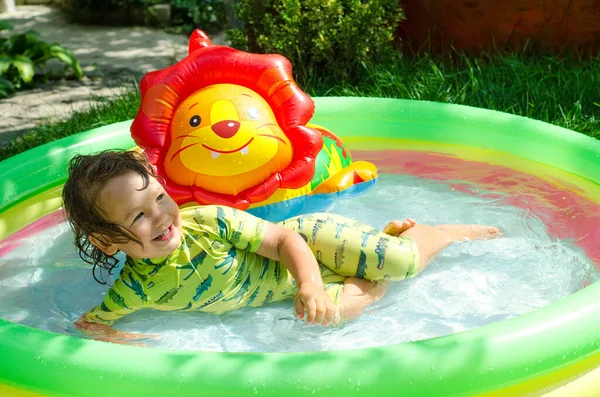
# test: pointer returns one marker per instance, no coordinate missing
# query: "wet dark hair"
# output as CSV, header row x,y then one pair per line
x,y
88,174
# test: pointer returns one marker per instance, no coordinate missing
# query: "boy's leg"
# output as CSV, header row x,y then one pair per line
x,y
353,249
431,240
357,295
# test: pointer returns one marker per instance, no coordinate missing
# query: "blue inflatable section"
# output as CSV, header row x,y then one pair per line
x,y
307,204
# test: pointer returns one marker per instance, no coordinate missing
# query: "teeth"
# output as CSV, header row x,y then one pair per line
x,y
215,155
163,233
244,150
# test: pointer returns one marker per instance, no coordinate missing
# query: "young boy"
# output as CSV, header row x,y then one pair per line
x,y
216,258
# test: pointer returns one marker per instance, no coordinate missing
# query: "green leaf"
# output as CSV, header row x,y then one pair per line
x,y
6,25
6,88
6,85
68,58
19,44
25,67
38,52
32,34
4,64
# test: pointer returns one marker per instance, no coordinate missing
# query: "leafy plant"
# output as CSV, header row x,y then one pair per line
x,y
333,36
107,5
6,88
208,15
21,54
186,15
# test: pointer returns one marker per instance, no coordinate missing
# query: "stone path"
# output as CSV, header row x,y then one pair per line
x,y
112,58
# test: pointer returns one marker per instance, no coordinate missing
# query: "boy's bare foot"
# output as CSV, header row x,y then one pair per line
x,y
470,232
358,294
396,228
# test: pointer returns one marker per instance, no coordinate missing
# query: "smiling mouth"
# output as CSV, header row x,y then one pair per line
x,y
216,152
164,235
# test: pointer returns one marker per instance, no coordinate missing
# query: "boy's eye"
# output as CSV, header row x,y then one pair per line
x,y
160,196
138,216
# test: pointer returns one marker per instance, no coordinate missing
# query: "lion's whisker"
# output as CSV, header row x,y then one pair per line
x,y
264,125
182,149
186,136
272,136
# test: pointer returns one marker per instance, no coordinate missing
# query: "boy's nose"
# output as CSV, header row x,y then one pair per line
x,y
160,219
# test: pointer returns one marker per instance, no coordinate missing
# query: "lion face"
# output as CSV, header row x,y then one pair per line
x,y
225,139
211,126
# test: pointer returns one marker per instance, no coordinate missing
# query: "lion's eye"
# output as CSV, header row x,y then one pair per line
x,y
195,121
252,113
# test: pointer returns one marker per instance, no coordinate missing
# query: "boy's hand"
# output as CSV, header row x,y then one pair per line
x,y
105,333
285,245
312,299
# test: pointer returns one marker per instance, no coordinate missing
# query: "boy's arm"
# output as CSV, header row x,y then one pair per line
x,y
288,247
106,333
247,232
119,301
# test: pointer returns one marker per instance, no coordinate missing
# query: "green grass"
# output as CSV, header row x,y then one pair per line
x,y
561,91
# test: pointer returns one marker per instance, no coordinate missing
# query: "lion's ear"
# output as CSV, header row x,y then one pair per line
x,y
159,102
198,40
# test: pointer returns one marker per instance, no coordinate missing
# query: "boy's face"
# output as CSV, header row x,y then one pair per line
x,y
150,214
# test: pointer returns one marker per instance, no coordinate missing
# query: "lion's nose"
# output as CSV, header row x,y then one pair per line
x,y
226,128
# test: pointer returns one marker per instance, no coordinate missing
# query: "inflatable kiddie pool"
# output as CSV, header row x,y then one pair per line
x,y
532,354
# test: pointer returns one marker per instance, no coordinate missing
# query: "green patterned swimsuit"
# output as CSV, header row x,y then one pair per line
x,y
216,268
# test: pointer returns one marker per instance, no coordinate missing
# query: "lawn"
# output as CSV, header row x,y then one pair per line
x,y
562,91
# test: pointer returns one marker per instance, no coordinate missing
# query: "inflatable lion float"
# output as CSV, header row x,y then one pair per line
x,y
227,127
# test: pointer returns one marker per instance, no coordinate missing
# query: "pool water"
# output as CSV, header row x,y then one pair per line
x,y
44,284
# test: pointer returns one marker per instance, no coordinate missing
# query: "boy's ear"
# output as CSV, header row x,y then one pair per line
x,y
97,242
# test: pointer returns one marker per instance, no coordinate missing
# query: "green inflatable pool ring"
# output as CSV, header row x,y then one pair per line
x,y
539,351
